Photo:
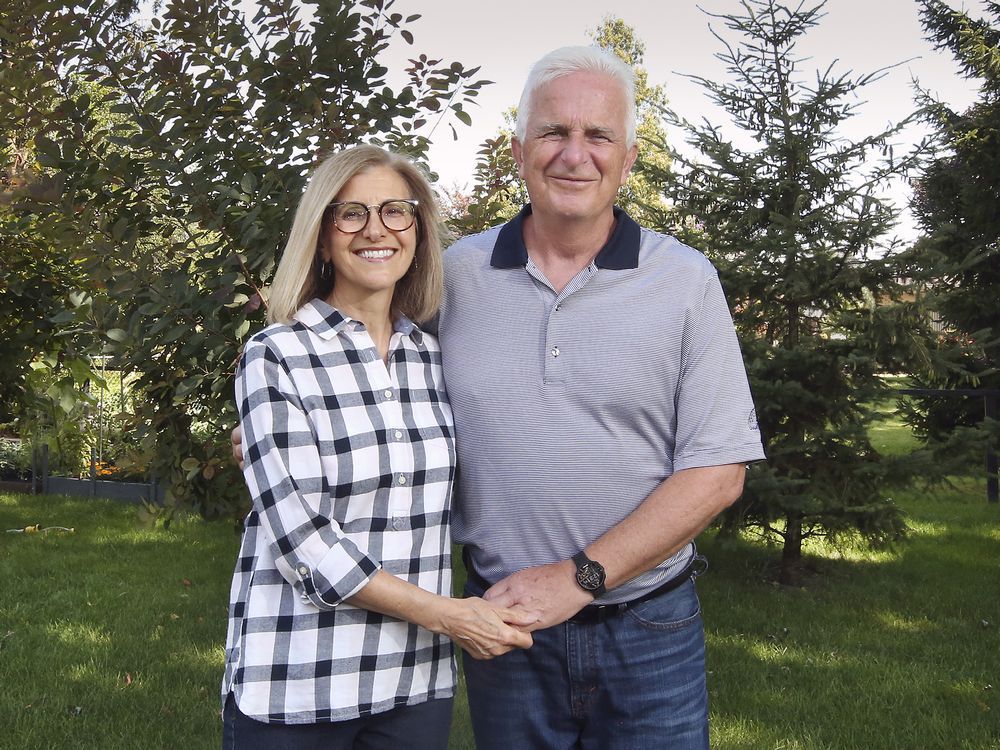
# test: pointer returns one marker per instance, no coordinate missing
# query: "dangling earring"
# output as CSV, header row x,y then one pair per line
x,y
325,270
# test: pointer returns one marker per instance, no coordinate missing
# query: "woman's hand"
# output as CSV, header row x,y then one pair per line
x,y
482,629
236,444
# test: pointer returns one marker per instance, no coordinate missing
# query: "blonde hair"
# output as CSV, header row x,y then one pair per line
x,y
297,280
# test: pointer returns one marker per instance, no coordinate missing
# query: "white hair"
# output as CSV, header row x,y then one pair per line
x,y
583,59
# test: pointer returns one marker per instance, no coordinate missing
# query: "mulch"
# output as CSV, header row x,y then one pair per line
x,y
23,487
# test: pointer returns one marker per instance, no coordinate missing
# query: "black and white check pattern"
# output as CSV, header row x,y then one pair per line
x,y
350,466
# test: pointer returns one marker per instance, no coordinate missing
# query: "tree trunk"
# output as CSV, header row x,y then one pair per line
x,y
791,553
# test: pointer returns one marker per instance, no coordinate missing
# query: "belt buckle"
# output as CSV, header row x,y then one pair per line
x,y
603,611
598,613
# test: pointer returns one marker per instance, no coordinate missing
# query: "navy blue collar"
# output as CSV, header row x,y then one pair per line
x,y
621,251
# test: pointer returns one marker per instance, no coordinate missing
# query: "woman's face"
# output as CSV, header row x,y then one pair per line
x,y
371,261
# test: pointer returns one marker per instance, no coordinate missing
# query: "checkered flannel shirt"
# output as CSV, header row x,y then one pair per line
x,y
350,466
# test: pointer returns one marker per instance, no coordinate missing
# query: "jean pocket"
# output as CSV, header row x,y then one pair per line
x,y
674,610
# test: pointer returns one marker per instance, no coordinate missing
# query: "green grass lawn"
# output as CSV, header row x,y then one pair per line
x,y
111,637
891,649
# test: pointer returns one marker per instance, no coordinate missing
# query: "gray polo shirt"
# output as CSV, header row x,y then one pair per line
x,y
571,408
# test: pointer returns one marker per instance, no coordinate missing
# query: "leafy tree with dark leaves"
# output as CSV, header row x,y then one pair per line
x,y
178,203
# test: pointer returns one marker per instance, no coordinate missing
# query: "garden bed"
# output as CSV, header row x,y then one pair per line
x,y
121,491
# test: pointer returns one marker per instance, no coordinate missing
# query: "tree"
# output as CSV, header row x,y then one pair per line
x,y
641,195
179,202
797,227
957,205
497,191
35,279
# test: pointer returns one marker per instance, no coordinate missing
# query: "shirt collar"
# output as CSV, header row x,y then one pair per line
x,y
621,251
327,321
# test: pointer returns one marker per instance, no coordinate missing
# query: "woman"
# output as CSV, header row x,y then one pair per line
x,y
340,612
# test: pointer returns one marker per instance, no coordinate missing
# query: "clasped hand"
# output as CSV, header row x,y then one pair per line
x,y
549,591
485,630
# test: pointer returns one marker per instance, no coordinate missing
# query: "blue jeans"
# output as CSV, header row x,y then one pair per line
x,y
636,680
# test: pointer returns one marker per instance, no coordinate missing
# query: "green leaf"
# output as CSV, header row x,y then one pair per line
x,y
64,316
119,228
67,402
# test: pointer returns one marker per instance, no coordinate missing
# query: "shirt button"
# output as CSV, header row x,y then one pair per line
x,y
555,351
401,480
303,570
558,308
387,393
398,434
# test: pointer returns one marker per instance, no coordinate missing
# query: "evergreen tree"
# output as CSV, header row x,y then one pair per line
x,y
797,226
957,205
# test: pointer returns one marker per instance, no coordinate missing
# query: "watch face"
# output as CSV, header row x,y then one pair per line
x,y
590,576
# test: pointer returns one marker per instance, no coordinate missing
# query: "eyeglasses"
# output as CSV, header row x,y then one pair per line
x,y
352,217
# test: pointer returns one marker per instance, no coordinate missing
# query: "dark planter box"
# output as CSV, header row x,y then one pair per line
x,y
121,491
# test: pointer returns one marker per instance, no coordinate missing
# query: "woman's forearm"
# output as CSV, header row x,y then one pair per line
x,y
482,629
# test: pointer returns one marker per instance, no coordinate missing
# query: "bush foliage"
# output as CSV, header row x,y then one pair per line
x,y
163,159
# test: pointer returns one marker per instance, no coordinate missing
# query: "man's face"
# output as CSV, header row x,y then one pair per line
x,y
574,158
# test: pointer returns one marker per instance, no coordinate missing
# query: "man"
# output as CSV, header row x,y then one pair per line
x,y
603,419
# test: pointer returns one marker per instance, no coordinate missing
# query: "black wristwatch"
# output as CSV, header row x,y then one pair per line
x,y
589,574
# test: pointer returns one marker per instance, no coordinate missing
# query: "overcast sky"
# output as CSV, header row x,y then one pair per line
x,y
506,37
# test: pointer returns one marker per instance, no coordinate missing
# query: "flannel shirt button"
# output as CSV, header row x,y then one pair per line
x,y
401,480
303,570
398,434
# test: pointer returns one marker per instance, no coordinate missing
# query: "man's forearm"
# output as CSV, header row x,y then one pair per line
x,y
673,514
